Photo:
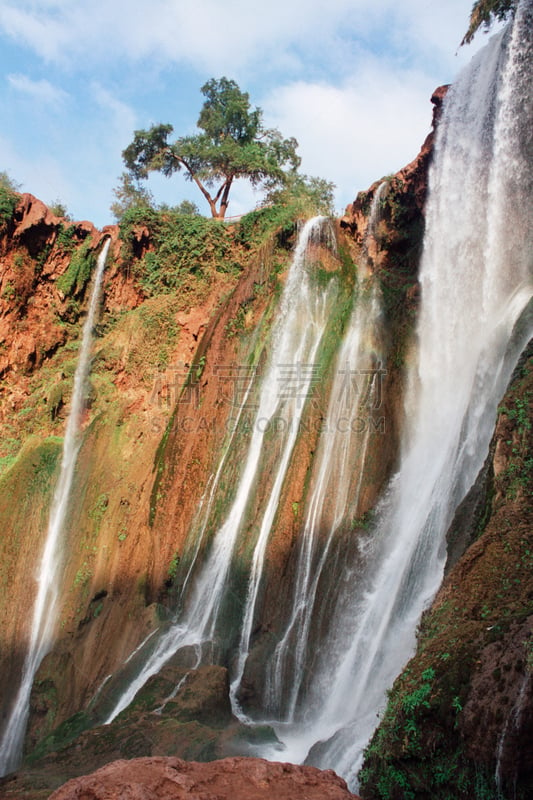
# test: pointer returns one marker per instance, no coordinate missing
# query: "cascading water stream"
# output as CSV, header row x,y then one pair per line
x,y
296,336
49,571
511,727
341,454
474,321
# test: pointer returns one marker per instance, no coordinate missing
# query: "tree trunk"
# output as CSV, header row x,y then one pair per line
x,y
224,202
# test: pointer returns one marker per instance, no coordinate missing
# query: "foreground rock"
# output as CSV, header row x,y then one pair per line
x,y
229,779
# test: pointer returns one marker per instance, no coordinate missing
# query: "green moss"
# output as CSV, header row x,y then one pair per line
x,y
61,736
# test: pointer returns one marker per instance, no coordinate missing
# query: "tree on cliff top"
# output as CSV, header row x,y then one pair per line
x,y
485,12
232,144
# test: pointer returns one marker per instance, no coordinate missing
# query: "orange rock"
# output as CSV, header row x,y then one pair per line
x,y
227,779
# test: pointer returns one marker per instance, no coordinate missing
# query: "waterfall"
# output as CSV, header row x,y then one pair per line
x,y
323,695
510,728
476,285
49,570
355,394
296,336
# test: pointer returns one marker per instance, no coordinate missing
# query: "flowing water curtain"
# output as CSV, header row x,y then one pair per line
x,y
476,286
301,320
334,499
45,609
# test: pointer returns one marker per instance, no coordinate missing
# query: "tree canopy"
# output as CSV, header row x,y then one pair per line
x,y
485,12
232,143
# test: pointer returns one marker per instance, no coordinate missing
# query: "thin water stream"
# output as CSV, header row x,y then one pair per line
x,y
49,571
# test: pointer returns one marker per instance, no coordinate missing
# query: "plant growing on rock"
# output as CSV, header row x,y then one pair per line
x,y
485,12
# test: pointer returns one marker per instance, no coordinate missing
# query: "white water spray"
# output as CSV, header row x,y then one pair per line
x,y
476,284
295,339
49,571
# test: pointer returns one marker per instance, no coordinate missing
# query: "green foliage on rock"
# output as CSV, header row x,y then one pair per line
x,y
441,733
82,263
182,250
485,13
181,246
59,209
8,199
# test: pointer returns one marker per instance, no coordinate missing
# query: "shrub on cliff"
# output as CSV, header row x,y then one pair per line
x,y
8,199
485,12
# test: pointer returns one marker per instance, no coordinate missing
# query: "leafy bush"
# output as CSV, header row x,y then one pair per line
x,y
181,245
8,203
257,226
79,271
485,12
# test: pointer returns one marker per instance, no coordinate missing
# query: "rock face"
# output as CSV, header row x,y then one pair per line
x,y
33,311
229,779
410,183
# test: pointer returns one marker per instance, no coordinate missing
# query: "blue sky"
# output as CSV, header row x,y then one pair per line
x,y
350,79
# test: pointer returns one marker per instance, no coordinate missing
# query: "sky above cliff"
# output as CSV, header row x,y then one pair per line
x,y
350,79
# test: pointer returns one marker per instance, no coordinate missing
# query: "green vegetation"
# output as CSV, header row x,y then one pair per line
x,y
186,245
173,567
311,195
65,733
517,478
79,271
8,199
9,291
66,240
187,250
411,754
485,13
233,144
132,195
59,209
98,510
183,246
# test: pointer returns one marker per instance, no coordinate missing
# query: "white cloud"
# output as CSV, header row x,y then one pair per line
x,y
37,28
41,91
355,133
215,36
351,79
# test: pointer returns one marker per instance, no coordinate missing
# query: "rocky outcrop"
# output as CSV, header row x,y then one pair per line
x,y
409,185
230,779
36,248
